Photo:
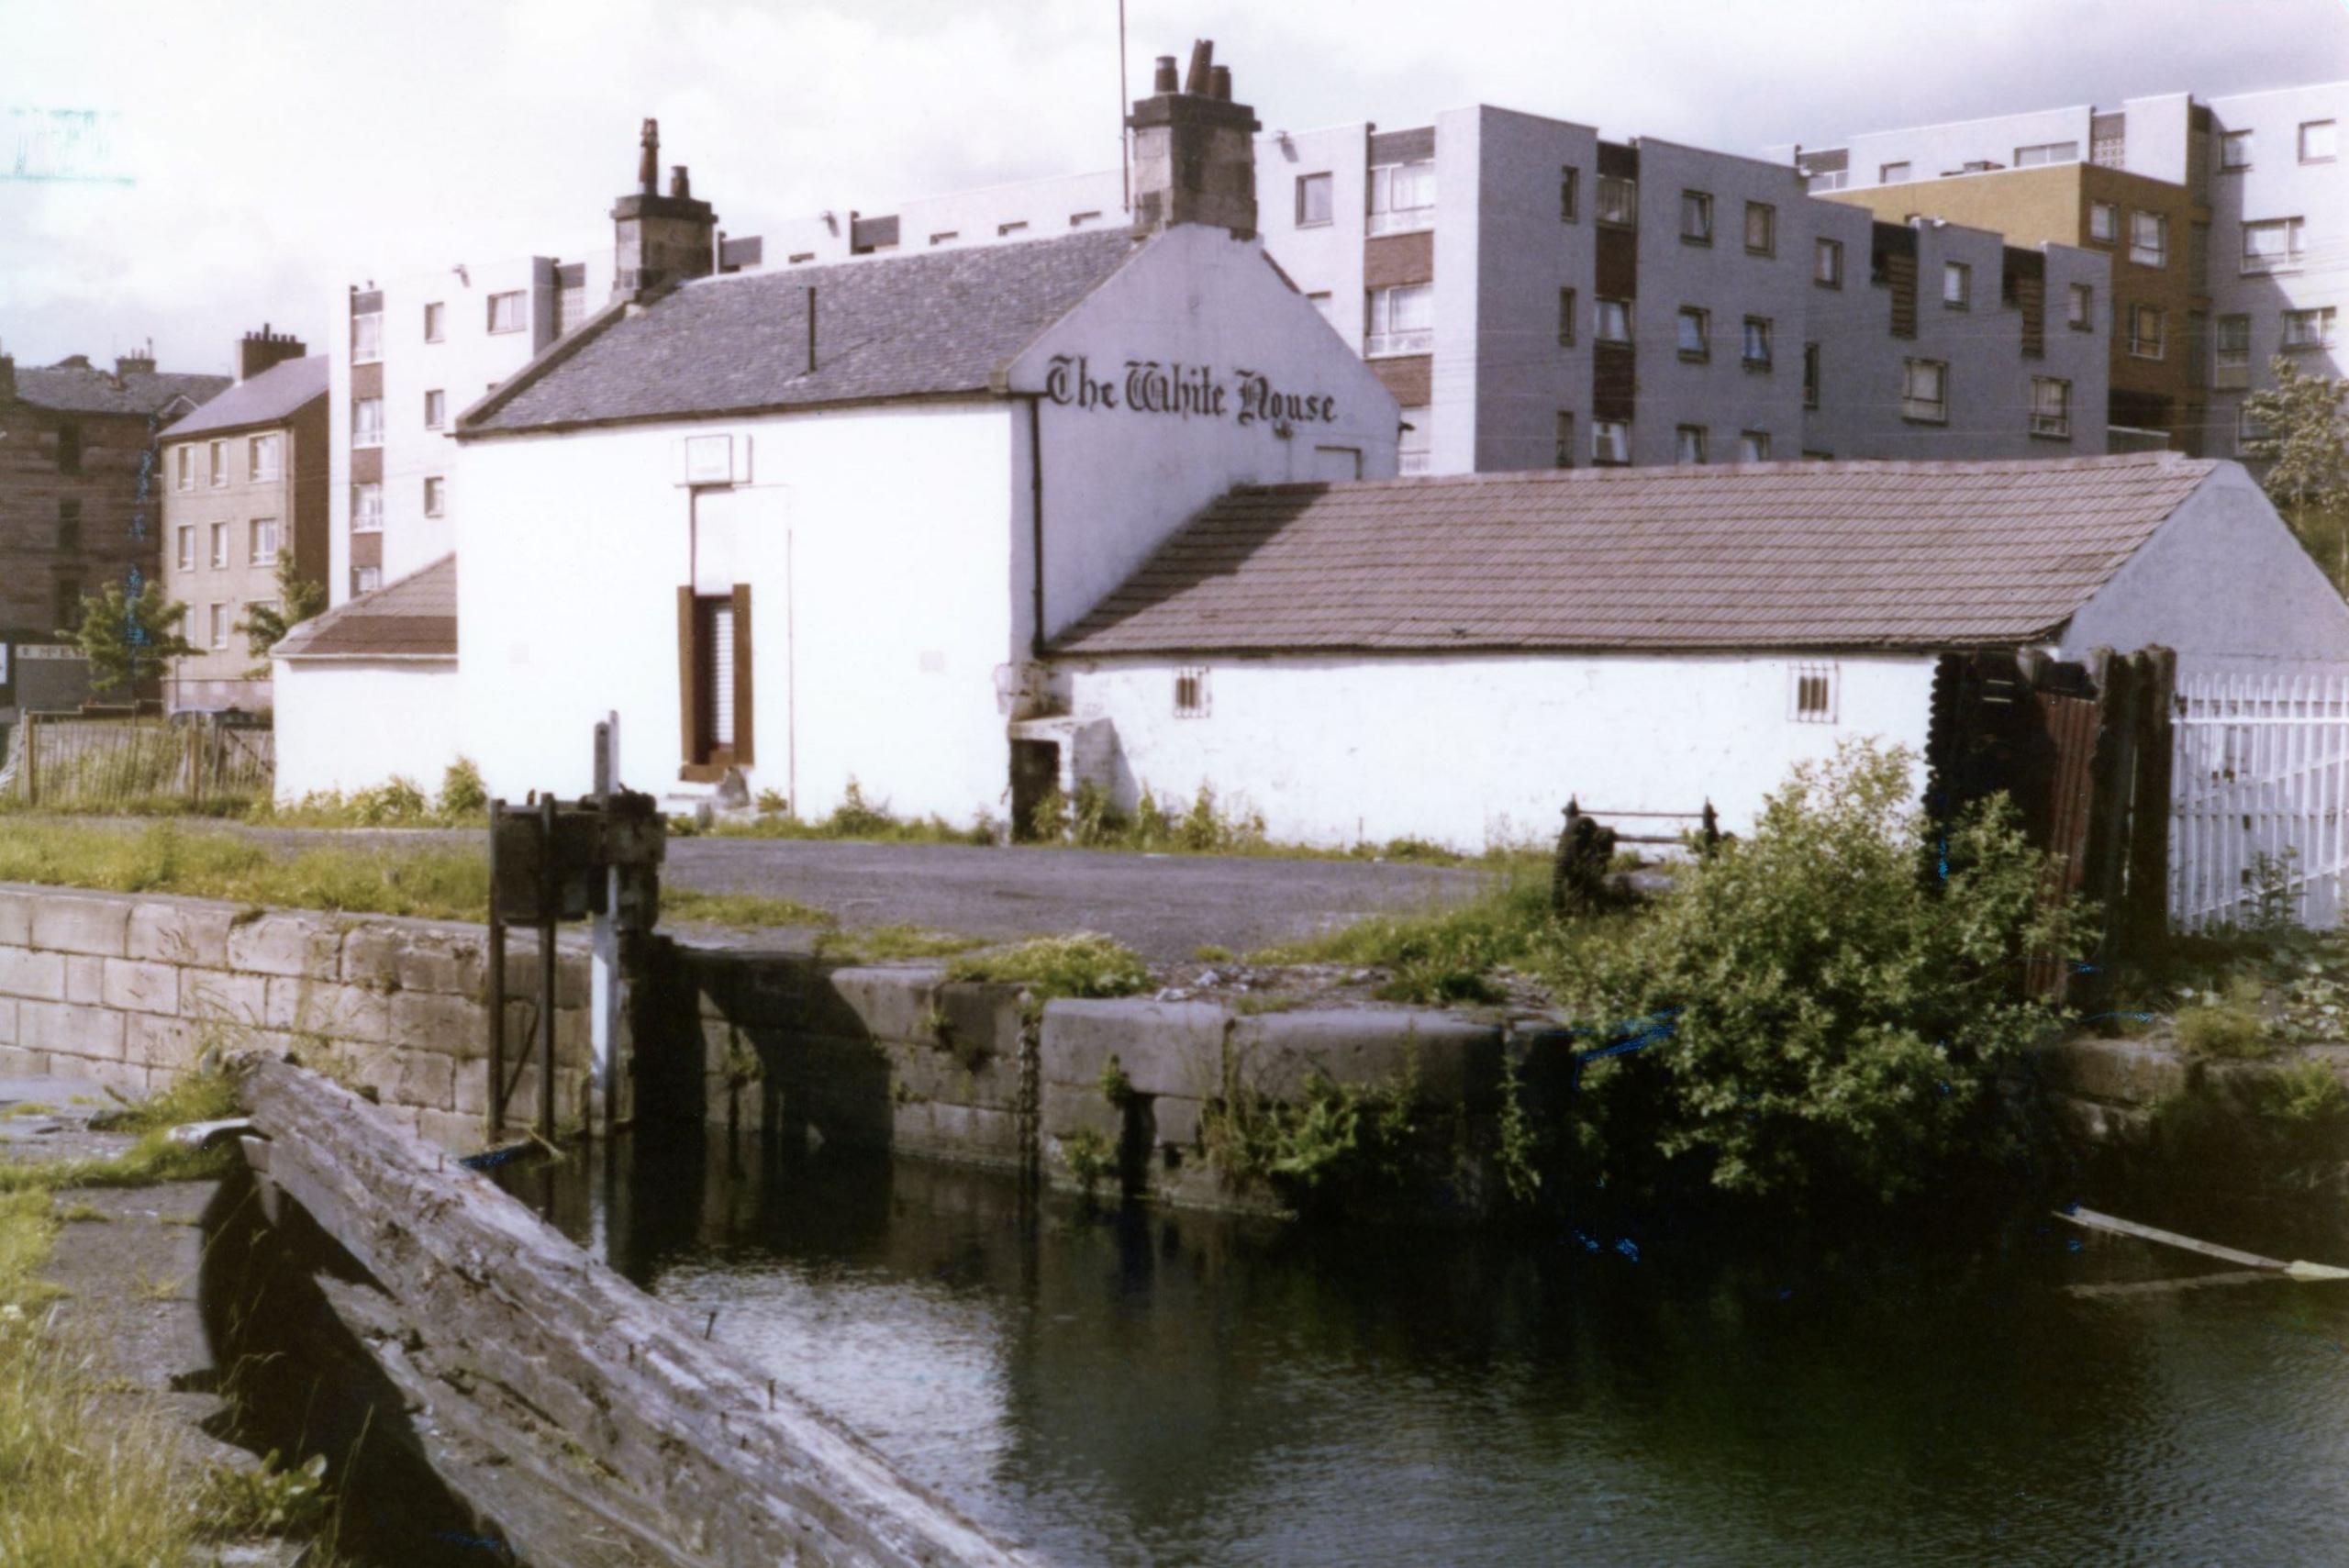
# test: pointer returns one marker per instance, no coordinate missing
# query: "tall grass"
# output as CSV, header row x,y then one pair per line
x,y
1446,953
433,880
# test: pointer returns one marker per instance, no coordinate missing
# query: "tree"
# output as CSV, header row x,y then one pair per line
x,y
127,635
264,626
2304,441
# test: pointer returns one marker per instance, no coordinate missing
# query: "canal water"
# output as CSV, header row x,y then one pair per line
x,y
1168,1388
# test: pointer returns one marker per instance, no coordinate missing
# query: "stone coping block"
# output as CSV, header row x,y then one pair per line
x,y
1163,1047
181,931
2123,1071
1452,1060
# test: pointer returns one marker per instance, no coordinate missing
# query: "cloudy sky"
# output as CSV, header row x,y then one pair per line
x,y
277,151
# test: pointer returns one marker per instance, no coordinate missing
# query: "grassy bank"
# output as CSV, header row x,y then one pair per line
x,y
167,857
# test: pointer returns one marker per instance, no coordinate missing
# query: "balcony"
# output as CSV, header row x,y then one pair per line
x,y
1387,344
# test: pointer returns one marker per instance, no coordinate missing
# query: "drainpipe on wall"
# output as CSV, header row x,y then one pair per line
x,y
1035,515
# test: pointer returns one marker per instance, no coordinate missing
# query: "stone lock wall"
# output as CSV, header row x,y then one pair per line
x,y
900,1058
128,990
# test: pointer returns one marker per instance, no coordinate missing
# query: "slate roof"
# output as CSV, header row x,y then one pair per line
x,y
82,388
1850,555
415,617
939,322
269,398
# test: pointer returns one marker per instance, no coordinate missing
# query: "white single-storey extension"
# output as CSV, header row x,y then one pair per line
x,y
1452,659
367,692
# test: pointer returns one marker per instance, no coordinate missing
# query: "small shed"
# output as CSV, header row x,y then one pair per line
x,y
368,691
1451,658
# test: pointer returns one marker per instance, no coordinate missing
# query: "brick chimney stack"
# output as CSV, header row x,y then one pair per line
x,y
257,352
8,377
135,364
660,240
1195,149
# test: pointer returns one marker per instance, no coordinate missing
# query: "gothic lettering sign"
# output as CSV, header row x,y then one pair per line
x,y
1175,390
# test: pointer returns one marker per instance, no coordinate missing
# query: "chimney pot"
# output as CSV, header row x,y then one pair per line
x,y
680,185
1165,81
648,159
1219,80
1202,64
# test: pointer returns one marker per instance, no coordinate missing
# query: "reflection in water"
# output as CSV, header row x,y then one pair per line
x,y
1164,1388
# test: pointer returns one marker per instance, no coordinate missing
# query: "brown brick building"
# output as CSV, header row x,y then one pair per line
x,y
78,502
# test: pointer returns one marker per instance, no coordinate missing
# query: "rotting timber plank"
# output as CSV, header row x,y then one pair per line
x,y
726,1466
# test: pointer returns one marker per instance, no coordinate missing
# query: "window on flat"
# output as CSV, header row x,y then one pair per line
x,y
2149,239
1697,218
1761,229
215,454
1924,391
505,314
1402,320
219,546
367,337
68,448
2319,140
435,322
2104,221
2231,354
1827,264
1958,286
262,544
1191,692
1810,375
217,633
367,508
1611,321
1569,194
2309,329
366,579
436,495
2148,328
187,548
1696,333
1567,310
1756,356
2234,150
1611,442
1811,693
2047,152
184,467
1413,450
1314,203
2051,406
366,422
435,409
1618,201
1563,431
1402,196
1827,180
65,603
1753,446
264,456
2271,244
69,525
2079,309
1892,173
1688,444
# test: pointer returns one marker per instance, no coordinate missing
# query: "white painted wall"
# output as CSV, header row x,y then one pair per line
x,y
1935,149
1472,750
876,544
2224,582
1320,257
1119,483
346,725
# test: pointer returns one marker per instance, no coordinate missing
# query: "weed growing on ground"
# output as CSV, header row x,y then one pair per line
x,y
854,819
1085,963
2228,1025
882,944
382,879
270,1500
1446,953
463,802
744,911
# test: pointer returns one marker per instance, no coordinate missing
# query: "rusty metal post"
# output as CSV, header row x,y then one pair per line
x,y
549,908
497,985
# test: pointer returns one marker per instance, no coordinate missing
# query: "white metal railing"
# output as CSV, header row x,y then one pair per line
x,y
2259,782
1417,340
1402,220
1409,462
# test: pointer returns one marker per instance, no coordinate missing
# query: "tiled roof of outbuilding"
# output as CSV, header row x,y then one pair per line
x,y
415,617
943,321
1850,555
268,398
83,388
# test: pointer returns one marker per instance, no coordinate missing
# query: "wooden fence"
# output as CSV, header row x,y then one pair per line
x,y
2259,793
69,762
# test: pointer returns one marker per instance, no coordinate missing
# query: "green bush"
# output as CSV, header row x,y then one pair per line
x,y
1823,1005
2229,1025
463,796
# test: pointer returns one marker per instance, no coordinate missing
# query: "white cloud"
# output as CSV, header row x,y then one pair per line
x,y
285,148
